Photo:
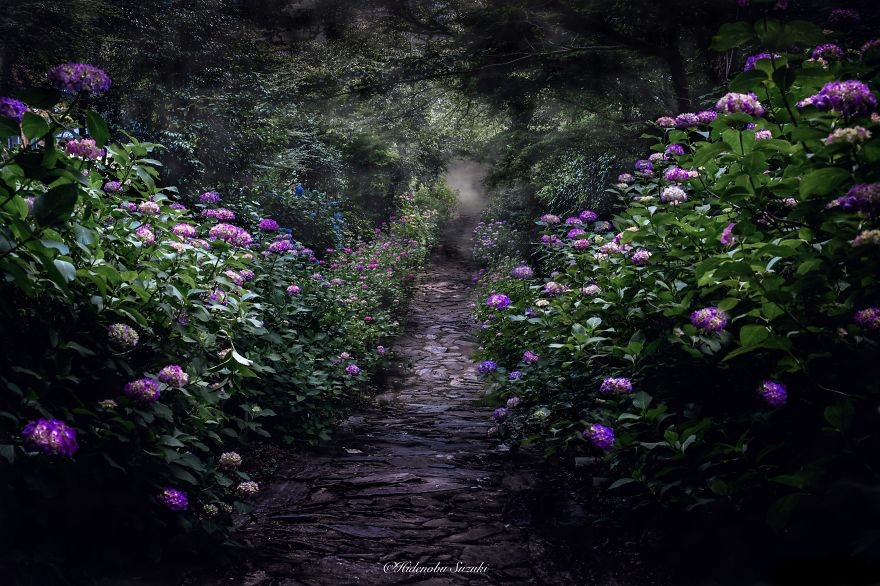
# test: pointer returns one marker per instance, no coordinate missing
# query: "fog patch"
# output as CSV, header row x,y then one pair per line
x,y
466,179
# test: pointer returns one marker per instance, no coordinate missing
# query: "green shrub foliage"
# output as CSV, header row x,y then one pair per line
x,y
724,326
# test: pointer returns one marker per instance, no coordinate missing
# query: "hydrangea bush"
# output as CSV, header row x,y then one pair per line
x,y
714,342
145,332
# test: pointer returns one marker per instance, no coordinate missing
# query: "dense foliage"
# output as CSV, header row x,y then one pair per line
x,y
714,342
148,334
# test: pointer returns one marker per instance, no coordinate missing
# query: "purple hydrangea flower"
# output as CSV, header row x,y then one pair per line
x,y
709,319
550,219
763,135
616,386
706,116
727,238
746,103
222,214
232,234
177,207
353,369
184,230
146,235
581,244
112,187
753,59
174,500
51,437
601,226
665,122
173,375
827,51
85,148
554,288
679,175
522,272
600,436
513,402
687,120
247,274
209,197
122,336
498,301
268,225
247,488
643,165
12,109
641,257
625,178
575,233
293,290
500,414
590,215
79,77
773,393
868,318
149,208
530,357
863,197
841,16
675,149
514,375
487,366
280,246
143,390
849,98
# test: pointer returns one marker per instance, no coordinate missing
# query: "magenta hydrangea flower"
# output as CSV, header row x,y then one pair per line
x,y
773,393
686,120
112,187
581,244
268,225
827,51
575,233
79,77
727,238
849,98
353,369
146,235
600,436
616,386
868,318
143,390
122,336
709,319
734,102
85,148
184,230
522,272
280,246
149,208
51,437
674,149
234,277
753,59
174,500
591,290
641,257
498,301
530,357
550,219
173,375
706,116
232,234
665,122
679,175
590,215
643,165
209,197
222,214
12,109
178,207
500,414
293,290
247,274
487,366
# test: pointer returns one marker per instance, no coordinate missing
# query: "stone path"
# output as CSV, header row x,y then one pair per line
x,y
410,486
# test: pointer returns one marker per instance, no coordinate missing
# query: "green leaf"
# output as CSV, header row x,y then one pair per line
x,y
753,335
8,128
67,270
780,512
801,32
42,99
620,482
97,128
241,359
706,153
840,416
719,487
34,126
732,35
56,205
823,181
748,81
784,77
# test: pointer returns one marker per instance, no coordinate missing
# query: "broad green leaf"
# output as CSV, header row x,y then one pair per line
x,y
56,205
753,335
34,126
732,35
98,129
823,181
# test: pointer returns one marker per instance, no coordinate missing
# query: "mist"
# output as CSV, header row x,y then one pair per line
x,y
466,179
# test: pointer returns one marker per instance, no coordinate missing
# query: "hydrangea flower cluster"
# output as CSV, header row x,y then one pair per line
x,y
174,500
862,197
550,219
675,149
498,301
575,233
763,135
641,257
173,375
500,414
79,77
840,16
601,226
868,318
849,98
867,237
514,375
522,272
149,208
625,178
727,238
51,437
247,488
487,366
12,109
588,216
673,195
709,319
112,187
268,225
773,393
616,386
733,102
144,390
222,214
85,148
209,197
827,51
591,290
353,369
600,436
184,230
530,357
232,234
122,336
855,135
293,290
581,244
554,288
146,235
513,402
280,246
752,60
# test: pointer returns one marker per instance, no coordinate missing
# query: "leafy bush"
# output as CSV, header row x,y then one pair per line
x,y
143,342
715,343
